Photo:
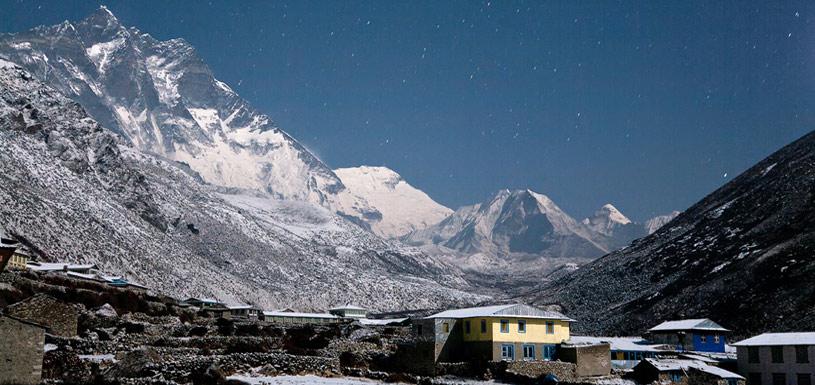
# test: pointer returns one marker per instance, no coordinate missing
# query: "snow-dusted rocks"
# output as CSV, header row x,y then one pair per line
x,y
655,223
743,256
401,207
78,193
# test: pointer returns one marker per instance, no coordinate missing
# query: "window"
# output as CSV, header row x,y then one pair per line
x,y
732,381
549,352
483,326
521,326
676,376
777,354
752,355
446,327
754,379
804,379
703,339
779,379
716,339
419,329
550,328
467,326
508,352
504,326
802,354
529,352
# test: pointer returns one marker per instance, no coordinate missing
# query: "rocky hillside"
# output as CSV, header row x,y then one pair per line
x,y
75,191
743,256
163,99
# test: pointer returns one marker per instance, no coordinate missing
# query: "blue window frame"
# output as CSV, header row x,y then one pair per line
x,y
521,326
508,352
676,377
504,326
529,352
549,352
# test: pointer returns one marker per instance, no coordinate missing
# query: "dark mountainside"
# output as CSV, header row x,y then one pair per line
x,y
744,256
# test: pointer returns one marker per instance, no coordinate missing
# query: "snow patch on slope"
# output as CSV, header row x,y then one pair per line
x,y
403,208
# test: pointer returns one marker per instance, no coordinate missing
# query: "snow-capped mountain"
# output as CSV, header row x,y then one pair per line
x,y
388,203
513,222
74,191
744,256
607,220
161,97
654,224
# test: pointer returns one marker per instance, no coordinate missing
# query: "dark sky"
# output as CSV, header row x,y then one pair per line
x,y
648,105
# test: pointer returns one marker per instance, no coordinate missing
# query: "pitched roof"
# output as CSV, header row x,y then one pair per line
x,y
297,315
515,310
632,344
347,307
776,339
667,365
43,266
688,324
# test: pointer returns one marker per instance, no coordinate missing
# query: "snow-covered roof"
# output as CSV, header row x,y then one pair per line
x,y
631,344
240,307
44,266
381,322
7,246
776,339
688,324
202,300
347,307
514,310
298,315
667,365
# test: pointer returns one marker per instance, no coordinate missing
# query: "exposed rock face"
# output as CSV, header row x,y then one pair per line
x,y
744,256
79,193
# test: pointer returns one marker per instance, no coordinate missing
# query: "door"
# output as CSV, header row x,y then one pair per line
x,y
549,352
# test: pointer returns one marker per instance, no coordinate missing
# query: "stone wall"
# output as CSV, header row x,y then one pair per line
x,y
564,371
21,351
60,318
591,360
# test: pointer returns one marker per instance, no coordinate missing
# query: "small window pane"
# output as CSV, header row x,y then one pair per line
x,y
802,354
467,327
752,355
804,379
777,354
504,326
779,379
550,328
521,326
483,326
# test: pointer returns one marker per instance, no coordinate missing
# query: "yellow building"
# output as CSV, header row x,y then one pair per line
x,y
503,332
19,260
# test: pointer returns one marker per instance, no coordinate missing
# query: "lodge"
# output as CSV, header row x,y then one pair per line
x,y
777,358
496,333
696,335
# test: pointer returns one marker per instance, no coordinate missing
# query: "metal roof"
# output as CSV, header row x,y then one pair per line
x,y
631,344
779,339
298,315
688,324
667,365
514,310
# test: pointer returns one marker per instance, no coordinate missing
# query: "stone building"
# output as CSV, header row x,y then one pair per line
x,y
59,318
21,351
777,358
6,254
590,359
683,372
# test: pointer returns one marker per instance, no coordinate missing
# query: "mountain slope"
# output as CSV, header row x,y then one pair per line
x,y
653,224
743,256
402,207
76,192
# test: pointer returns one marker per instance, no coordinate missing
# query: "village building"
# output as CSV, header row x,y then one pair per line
x,y
777,359
291,317
21,351
349,311
115,281
627,352
20,259
494,333
700,335
201,303
60,318
50,267
6,254
679,371
591,359
244,312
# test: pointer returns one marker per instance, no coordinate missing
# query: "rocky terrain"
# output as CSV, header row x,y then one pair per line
x,y
743,256
74,191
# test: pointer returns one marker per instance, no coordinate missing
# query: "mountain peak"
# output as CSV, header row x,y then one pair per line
x,y
608,210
